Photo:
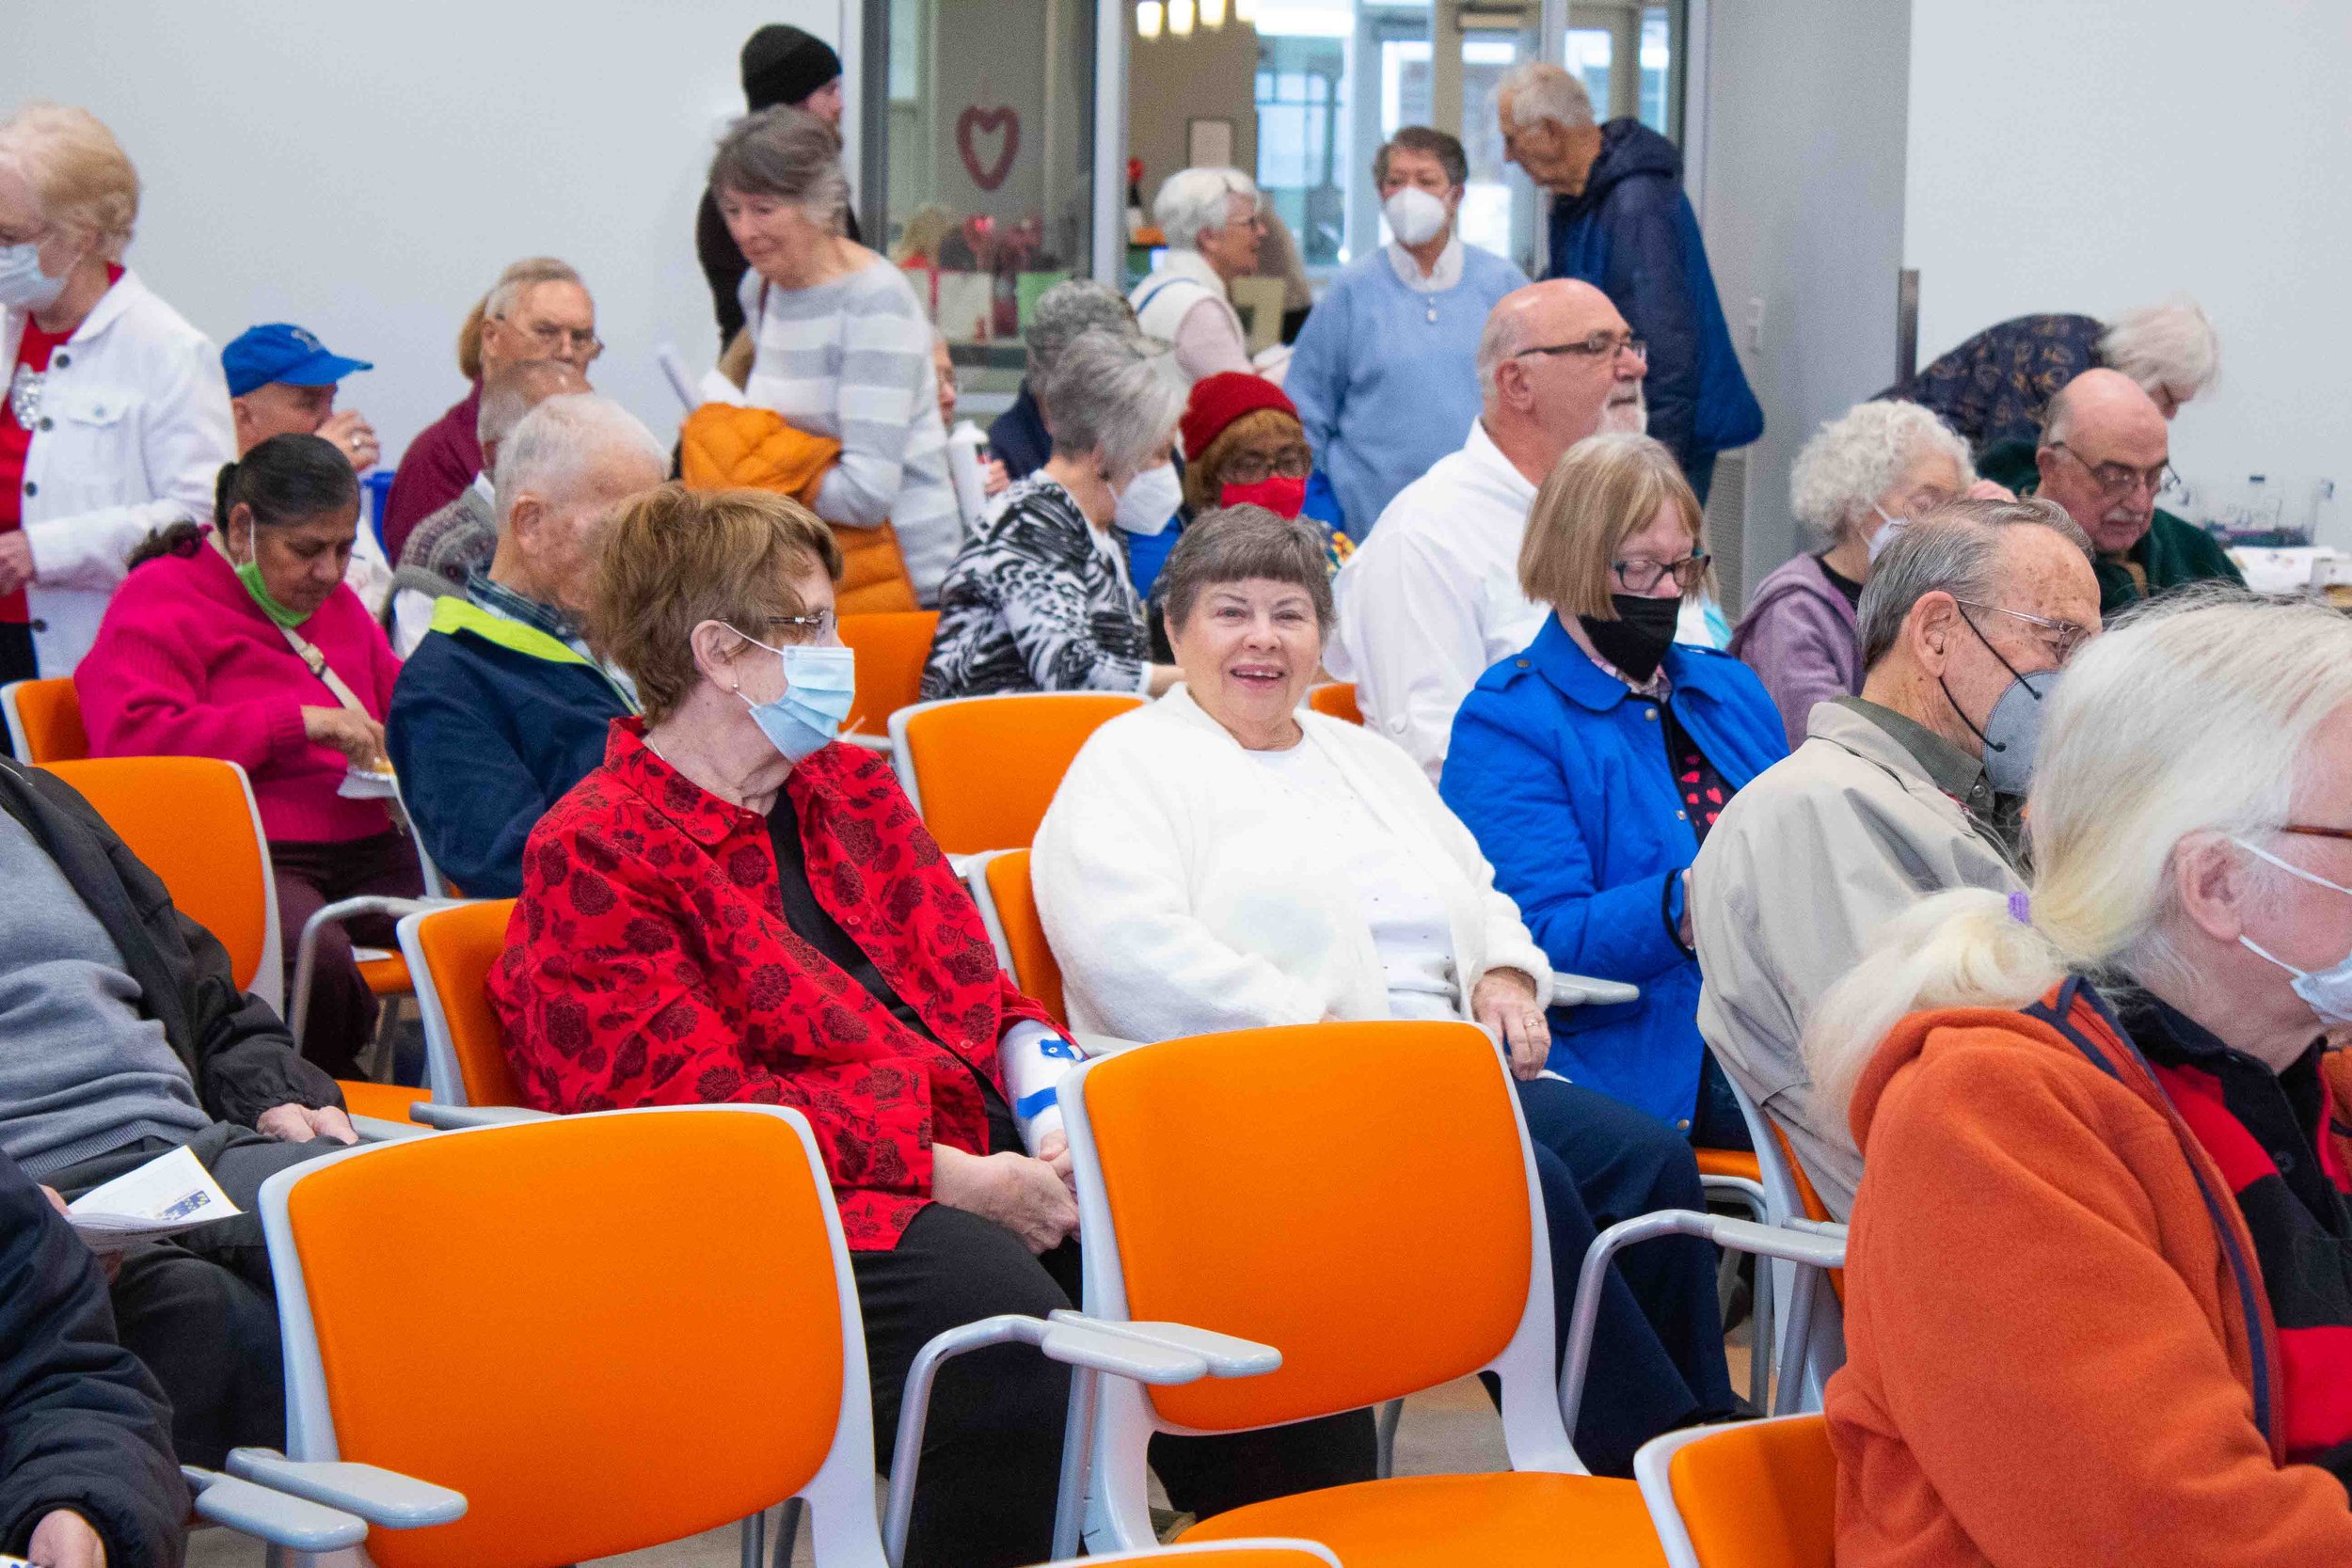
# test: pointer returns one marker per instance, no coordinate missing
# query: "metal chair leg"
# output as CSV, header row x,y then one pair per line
x,y
1384,1425
756,1539
788,1531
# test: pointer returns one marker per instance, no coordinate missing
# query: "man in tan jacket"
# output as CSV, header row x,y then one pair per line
x,y
1887,801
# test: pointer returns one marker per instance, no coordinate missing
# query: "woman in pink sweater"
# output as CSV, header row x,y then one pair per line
x,y
241,641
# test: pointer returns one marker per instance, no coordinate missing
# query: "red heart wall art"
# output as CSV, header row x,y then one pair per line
x,y
976,122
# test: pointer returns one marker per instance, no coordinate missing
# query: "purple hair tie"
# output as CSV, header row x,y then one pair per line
x,y
2020,908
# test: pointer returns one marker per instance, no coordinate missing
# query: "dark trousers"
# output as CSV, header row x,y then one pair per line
x,y
198,1309
992,1448
342,1019
1657,1349
1716,1121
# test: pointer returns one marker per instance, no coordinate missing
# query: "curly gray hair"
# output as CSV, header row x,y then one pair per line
x,y
1192,200
1073,305
2168,349
1858,457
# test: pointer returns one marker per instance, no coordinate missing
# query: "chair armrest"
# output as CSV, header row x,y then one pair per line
x,y
1224,1355
450,1117
271,1516
378,1496
375,1129
865,742
1808,1247
1577,991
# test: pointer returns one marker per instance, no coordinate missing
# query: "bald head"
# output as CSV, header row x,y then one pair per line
x,y
2105,444
1553,369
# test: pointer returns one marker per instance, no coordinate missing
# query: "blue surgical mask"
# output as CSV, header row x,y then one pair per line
x,y
819,690
22,284
2328,992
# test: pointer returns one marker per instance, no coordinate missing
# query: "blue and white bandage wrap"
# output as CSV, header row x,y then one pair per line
x,y
1034,1059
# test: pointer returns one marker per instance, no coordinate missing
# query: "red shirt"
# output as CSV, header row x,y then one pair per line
x,y
16,442
649,962
434,472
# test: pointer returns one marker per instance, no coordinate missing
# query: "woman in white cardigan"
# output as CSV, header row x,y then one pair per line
x,y
1227,859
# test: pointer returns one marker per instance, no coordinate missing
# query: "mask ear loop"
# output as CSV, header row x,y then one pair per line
x,y
2015,673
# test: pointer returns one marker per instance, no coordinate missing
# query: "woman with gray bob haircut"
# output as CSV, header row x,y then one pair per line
x,y
1857,484
2122,1074
1040,598
1227,858
1018,439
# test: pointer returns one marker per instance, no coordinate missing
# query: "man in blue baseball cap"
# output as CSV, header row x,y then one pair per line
x,y
281,381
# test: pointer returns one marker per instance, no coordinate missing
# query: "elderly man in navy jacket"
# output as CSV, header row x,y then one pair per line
x,y
1619,221
504,706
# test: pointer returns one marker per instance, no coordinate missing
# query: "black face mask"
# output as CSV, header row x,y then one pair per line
x,y
1637,640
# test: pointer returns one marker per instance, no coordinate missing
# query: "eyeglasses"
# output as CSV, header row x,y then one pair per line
x,y
1600,345
2068,635
819,627
2311,831
2116,480
1251,468
555,339
1640,577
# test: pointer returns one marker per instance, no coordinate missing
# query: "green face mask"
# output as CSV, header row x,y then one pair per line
x,y
249,574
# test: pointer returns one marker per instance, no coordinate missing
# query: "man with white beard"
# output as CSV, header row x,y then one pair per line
x,y
1433,598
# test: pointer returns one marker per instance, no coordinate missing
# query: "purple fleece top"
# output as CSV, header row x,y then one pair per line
x,y
1799,637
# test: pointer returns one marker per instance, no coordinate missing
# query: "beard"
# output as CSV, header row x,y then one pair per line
x,y
1628,417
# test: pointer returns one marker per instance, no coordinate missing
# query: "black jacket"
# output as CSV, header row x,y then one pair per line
x,y
235,1048
82,1424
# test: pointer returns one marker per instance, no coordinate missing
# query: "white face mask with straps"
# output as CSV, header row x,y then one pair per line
x,y
2328,990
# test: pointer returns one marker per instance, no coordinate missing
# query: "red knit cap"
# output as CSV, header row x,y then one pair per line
x,y
1219,399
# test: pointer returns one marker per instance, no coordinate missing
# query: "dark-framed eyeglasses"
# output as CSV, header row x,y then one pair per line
x,y
2313,831
2116,480
1252,467
1600,345
2065,636
1641,577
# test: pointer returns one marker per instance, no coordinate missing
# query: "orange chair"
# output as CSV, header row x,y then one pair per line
x,y
450,951
583,1307
981,770
1758,1494
1000,885
44,720
1337,699
891,651
1398,1246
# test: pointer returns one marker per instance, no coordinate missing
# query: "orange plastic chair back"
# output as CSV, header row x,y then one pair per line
x,y
892,650
51,712
986,769
1759,1495
1354,1194
188,821
1337,699
557,1321
1034,966
460,944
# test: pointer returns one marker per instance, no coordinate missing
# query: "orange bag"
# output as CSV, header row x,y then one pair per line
x,y
724,447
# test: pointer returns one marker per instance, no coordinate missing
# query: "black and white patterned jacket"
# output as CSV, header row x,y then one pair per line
x,y
1037,601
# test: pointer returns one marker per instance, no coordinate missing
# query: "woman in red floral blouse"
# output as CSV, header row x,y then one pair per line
x,y
734,908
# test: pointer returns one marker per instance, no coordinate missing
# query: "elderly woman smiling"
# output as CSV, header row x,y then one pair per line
x,y
1225,860
1857,484
2108,1105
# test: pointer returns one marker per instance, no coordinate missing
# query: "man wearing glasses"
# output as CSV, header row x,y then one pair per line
x,y
538,310
1433,598
2105,455
1903,792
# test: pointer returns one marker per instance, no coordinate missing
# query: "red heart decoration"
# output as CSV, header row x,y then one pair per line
x,y
976,120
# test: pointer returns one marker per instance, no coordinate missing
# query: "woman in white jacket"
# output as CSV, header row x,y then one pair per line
x,y
116,416
1227,859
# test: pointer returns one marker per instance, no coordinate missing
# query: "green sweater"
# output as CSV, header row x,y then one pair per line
x,y
2171,552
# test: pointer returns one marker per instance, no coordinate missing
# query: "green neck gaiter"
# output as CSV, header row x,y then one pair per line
x,y
249,574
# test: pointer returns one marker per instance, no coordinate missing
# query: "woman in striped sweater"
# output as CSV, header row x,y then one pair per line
x,y
840,345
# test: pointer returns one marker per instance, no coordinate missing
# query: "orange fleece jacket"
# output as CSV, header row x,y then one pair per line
x,y
2047,1359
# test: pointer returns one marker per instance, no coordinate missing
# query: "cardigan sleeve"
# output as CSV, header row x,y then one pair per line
x,y
1113,896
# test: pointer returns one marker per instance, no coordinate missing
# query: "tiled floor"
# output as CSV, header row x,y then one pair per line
x,y
1449,1430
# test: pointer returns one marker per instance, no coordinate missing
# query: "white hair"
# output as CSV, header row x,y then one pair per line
x,y
560,440
2167,345
1116,395
1192,200
1541,90
2192,717
1854,459
1504,337
528,273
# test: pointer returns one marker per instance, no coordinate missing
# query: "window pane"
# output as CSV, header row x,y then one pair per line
x,y
1657,43
1589,49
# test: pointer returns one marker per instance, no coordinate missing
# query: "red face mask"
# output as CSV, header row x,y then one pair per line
x,y
1284,497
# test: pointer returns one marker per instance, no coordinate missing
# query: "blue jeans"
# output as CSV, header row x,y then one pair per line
x,y
1658,1350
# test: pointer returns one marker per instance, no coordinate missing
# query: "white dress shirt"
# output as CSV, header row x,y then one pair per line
x,y
1432,598
1444,276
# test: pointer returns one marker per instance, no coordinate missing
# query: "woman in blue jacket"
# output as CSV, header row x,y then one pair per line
x,y
1590,764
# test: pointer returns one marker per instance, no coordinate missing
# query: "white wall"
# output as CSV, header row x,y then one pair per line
x,y
2099,154
1803,210
367,170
